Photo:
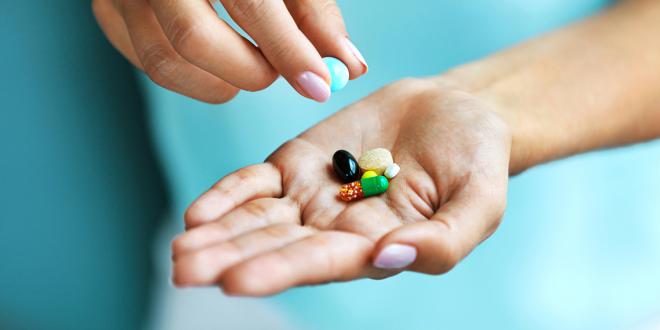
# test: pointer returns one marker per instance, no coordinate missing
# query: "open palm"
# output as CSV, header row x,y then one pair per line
x,y
279,224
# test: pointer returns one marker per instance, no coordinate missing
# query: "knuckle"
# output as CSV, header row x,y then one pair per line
x,y
191,217
160,63
330,10
447,253
256,210
187,36
309,12
200,259
230,250
451,259
277,232
281,45
248,12
261,81
245,173
179,245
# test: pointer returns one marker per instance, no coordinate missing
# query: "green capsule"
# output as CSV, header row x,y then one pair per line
x,y
374,185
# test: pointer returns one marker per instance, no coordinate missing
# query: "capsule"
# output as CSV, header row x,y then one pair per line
x,y
369,174
364,188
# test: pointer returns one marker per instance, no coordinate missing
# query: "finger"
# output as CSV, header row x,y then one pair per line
x,y
437,245
259,213
270,24
205,266
321,21
114,28
371,218
252,182
201,37
319,258
162,63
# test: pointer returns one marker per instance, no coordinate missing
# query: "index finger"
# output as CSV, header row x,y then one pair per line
x,y
203,39
271,25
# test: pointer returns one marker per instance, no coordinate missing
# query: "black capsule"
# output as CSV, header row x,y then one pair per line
x,y
345,166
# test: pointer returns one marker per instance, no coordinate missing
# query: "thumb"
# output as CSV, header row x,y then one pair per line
x,y
437,245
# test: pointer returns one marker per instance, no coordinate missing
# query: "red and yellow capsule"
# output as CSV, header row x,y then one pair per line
x,y
364,188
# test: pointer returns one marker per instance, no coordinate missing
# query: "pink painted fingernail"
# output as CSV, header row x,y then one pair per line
x,y
395,256
357,54
314,86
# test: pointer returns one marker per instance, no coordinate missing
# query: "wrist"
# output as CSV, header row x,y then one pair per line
x,y
531,142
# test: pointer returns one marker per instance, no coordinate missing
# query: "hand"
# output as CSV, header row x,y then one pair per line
x,y
185,47
272,226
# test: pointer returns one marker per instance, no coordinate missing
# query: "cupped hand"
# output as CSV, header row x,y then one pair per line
x,y
279,224
185,47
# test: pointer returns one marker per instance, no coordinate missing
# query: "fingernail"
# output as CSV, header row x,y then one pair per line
x,y
395,256
357,54
314,86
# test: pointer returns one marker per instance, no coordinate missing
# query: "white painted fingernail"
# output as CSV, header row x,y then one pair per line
x,y
357,54
317,88
395,256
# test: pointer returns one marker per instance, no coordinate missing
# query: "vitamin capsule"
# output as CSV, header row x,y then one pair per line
x,y
376,160
369,174
364,188
338,73
391,171
345,166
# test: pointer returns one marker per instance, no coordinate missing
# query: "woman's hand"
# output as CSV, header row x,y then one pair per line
x,y
185,47
272,226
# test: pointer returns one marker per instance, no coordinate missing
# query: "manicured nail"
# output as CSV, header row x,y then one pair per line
x,y
395,256
357,54
314,86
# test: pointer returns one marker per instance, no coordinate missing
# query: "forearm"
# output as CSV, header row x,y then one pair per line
x,y
592,85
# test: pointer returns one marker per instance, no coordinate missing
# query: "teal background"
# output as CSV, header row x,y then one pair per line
x,y
80,192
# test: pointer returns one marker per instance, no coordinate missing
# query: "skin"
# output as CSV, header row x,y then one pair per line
x,y
184,46
457,137
292,205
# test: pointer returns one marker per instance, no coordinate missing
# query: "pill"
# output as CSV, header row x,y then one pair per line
x,y
391,171
364,188
376,160
345,166
338,73
369,174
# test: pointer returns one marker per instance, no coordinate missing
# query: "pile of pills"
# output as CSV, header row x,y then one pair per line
x,y
367,176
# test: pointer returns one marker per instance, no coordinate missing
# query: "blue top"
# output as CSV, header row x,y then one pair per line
x,y
578,247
